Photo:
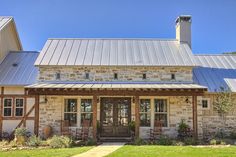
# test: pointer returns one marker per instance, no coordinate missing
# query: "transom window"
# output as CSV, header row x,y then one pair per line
x,y
86,111
19,107
70,111
160,111
7,107
145,112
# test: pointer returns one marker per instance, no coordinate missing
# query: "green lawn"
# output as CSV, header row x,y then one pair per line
x,y
63,152
173,151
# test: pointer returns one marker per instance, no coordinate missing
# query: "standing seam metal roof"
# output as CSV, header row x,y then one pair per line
x,y
115,52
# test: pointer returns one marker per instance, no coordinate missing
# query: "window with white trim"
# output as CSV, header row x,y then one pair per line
x,y
7,107
145,112
161,111
86,110
70,111
19,107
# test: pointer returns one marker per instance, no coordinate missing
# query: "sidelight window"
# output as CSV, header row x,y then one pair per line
x,y
161,111
86,111
145,112
70,111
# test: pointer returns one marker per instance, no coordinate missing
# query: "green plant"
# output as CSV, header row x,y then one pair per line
x,y
177,143
183,130
190,141
233,135
20,132
90,142
139,141
220,134
213,142
34,141
164,140
132,126
59,142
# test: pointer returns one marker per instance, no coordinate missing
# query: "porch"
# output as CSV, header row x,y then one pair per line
x,y
114,106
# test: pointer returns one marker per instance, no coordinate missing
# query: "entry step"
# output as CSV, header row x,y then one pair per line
x,y
115,139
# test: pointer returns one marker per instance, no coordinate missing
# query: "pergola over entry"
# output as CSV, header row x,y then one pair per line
x,y
121,89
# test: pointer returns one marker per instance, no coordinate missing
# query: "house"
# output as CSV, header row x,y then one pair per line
x,y
112,82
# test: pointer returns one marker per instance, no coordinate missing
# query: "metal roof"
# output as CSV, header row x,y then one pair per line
x,y
216,61
115,86
115,52
18,69
216,71
4,20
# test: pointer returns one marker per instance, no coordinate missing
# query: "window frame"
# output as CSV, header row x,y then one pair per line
x,y
77,111
86,112
208,103
163,113
23,107
12,104
150,112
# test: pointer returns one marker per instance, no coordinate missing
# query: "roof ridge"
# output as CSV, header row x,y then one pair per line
x,y
24,52
165,39
214,54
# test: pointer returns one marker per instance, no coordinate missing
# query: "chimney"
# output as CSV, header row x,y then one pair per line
x,y
183,29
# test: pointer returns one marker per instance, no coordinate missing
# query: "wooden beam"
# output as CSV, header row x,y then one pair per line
x,y
1,110
36,121
137,116
195,123
95,117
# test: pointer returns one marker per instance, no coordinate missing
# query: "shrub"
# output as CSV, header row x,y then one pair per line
x,y
59,142
132,126
34,141
21,132
222,142
177,143
220,134
213,142
3,143
90,142
190,141
233,135
139,141
164,140
183,130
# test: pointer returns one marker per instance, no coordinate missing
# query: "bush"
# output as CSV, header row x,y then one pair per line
x,y
34,141
213,142
139,141
190,141
177,143
21,132
233,135
90,142
183,130
59,142
164,140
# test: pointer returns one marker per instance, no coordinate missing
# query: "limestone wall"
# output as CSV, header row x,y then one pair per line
x,y
124,73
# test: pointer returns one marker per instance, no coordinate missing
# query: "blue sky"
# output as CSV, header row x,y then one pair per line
x,y
213,26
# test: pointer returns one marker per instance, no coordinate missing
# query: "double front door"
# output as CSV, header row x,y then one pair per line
x,y
115,116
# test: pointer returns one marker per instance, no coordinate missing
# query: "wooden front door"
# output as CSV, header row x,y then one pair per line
x,y
115,117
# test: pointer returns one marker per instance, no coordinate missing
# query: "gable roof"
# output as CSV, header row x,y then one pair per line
x,y
18,69
115,52
216,71
7,20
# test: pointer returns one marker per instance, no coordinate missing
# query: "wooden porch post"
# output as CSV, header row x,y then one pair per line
x,y
195,125
36,112
1,110
137,119
95,117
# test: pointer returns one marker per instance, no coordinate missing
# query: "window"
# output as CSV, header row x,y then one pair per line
x,y
161,111
86,111
7,107
19,107
144,76
86,75
58,76
70,111
115,76
172,76
145,112
205,103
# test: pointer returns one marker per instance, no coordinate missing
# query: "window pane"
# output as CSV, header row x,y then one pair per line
x,y
162,118
145,105
204,104
144,119
86,105
7,102
160,105
70,105
88,117
19,103
19,112
7,112
71,117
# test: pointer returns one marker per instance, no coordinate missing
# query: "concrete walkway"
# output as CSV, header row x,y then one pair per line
x,y
101,150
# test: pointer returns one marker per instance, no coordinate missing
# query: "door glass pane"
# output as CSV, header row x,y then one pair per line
x,y
107,114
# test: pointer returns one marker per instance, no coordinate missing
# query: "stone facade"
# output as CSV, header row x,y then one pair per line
x,y
105,73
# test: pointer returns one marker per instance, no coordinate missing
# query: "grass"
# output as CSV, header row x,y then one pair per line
x,y
63,152
173,151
